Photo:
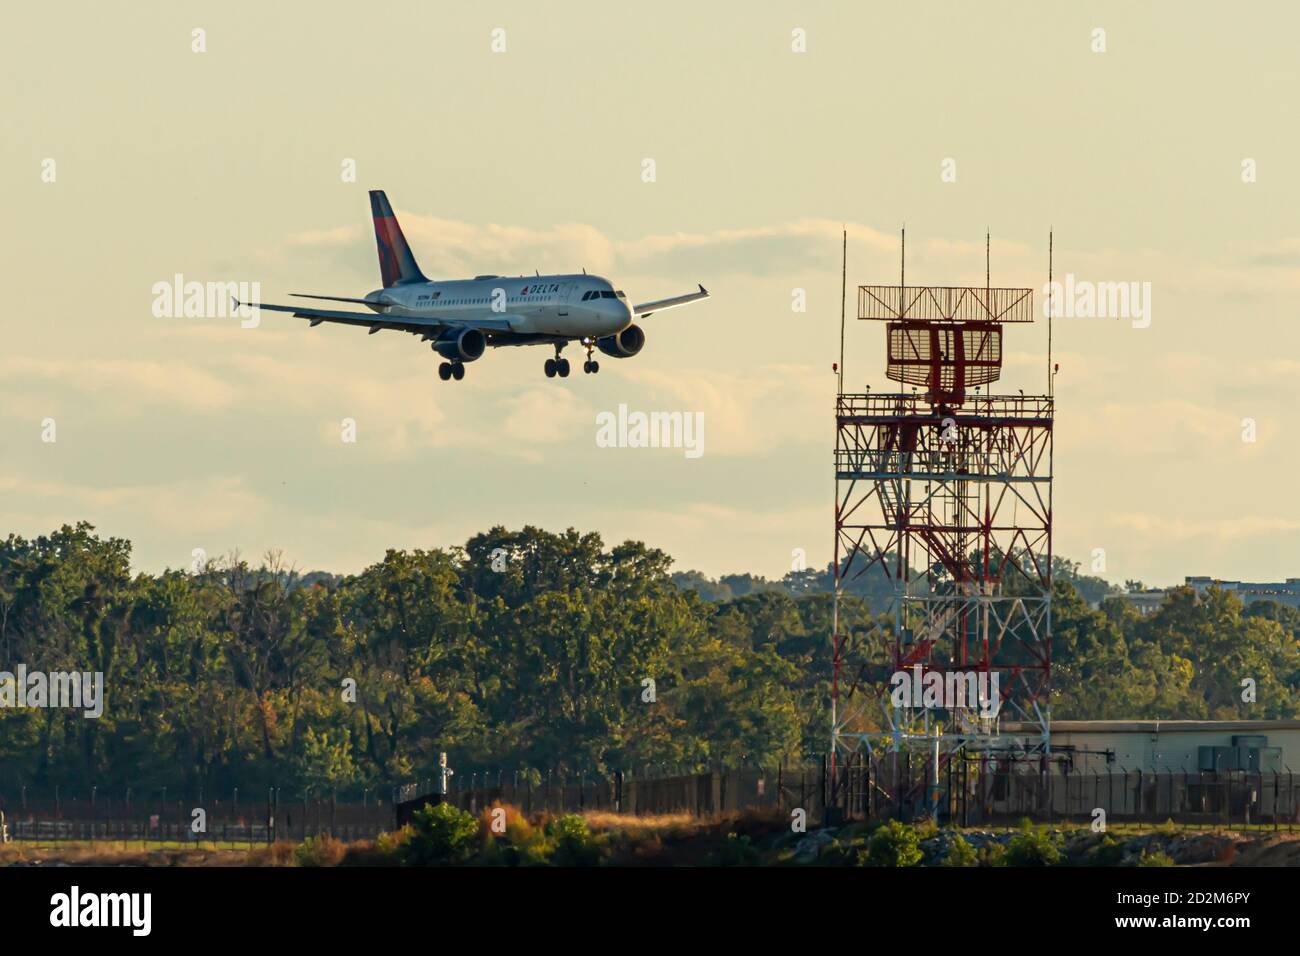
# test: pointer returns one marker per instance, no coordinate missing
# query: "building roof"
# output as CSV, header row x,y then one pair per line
x,y
1154,726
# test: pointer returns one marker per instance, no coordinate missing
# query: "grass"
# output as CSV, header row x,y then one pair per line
x,y
677,839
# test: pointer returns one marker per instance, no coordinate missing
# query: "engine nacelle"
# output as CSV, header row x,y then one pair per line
x,y
463,346
623,345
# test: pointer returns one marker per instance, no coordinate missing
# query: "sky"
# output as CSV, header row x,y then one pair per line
x,y
1152,139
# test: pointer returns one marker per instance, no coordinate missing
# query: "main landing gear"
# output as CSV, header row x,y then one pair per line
x,y
557,366
560,366
454,370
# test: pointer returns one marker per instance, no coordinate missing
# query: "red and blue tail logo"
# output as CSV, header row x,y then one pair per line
x,y
396,264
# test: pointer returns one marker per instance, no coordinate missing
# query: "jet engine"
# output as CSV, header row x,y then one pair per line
x,y
623,345
464,345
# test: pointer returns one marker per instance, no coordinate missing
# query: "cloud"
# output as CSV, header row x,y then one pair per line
x,y
746,414
1182,529
455,249
122,382
545,415
1139,429
190,506
724,539
1282,254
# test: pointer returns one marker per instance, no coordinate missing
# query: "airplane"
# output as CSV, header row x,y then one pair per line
x,y
462,318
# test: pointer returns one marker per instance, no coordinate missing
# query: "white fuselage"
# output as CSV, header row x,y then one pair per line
x,y
574,306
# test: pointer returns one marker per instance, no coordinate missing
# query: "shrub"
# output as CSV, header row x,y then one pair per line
x,y
1155,858
960,853
319,851
498,811
439,835
1107,852
1032,846
926,829
279,853
894,844
390,844
995,854
736,851
573,843
521,845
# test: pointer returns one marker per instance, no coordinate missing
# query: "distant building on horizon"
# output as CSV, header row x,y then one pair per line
x,y
1286,592
1148,601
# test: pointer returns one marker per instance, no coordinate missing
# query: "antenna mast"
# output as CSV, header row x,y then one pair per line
x,y
844,274
1051,379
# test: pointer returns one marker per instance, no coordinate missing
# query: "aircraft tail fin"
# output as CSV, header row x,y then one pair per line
x,y
396,263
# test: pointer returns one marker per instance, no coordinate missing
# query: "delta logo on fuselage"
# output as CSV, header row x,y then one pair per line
x,y
540,289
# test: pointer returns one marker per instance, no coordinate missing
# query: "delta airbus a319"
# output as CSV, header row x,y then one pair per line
x,y
462,318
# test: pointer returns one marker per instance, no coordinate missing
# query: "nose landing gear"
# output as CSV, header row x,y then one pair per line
x,y
591,366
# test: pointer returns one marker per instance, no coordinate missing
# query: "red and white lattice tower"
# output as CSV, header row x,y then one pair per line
x,y
945,489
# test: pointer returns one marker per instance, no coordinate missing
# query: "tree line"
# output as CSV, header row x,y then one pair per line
x,y
525,651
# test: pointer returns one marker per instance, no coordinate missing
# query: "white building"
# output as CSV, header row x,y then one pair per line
x,y
1175,746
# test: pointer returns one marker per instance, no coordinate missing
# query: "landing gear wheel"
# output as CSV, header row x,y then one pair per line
x,y
562,367
444,371
458,371
595,366
586,367
550,368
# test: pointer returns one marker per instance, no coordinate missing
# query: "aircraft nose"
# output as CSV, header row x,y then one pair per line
x,y
617,311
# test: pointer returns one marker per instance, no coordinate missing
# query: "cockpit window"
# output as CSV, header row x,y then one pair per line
x,y
621,294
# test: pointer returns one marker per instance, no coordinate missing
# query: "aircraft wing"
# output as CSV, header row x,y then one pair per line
x,y
377,321
659,305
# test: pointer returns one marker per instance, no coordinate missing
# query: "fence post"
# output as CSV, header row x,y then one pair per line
x,y
1043,790
1275,802
1141,795
1227,800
